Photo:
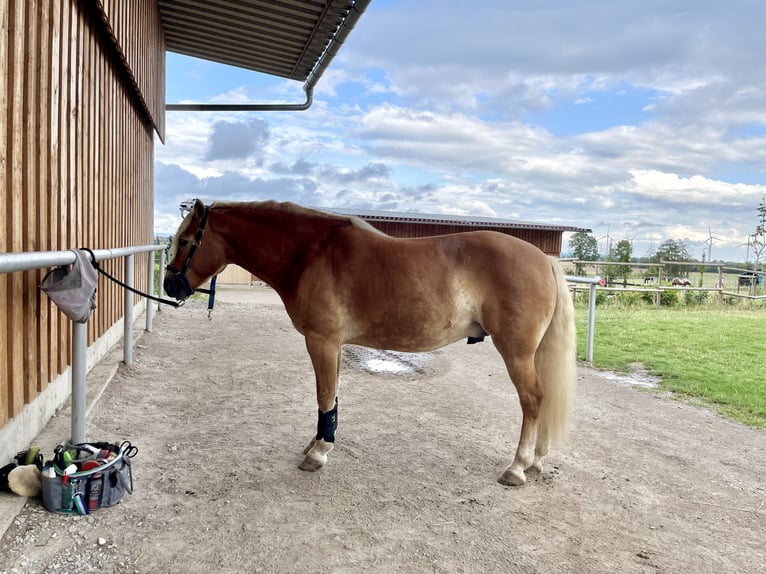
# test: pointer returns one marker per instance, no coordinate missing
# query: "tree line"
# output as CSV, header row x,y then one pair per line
x,y
583,246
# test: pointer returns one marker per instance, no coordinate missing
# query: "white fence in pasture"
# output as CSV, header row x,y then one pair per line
x,y
748,278
656,286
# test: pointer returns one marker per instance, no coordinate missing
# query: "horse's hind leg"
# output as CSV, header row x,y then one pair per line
x,y
542,448
325,357
529,450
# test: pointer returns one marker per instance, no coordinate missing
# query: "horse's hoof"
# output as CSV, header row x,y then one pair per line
x,y
536,467
310,446
313,462
512,478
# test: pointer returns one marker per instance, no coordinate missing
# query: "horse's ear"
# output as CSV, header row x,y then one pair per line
x,y
199,208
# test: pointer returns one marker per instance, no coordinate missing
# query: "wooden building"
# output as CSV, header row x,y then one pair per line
x,y
82,97
547,237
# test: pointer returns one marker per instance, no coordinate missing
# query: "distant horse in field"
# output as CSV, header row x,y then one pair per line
x,y
681,282
342,281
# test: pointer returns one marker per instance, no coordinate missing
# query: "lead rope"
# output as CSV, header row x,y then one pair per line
x,y
211,298
98,268
210,292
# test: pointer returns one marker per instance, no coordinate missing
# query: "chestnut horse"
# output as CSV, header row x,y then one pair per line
x,y
342,281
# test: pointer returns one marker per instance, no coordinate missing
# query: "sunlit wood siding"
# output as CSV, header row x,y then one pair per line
x,y
135,29
234,275
77,118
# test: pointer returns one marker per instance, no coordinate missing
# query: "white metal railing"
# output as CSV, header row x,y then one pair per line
x,y
13,262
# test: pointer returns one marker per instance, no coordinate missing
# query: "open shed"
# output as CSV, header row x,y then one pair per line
x,y
548,237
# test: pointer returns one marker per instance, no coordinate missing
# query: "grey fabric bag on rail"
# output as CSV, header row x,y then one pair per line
x,y
73,287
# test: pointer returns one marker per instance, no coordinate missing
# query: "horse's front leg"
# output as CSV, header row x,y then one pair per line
x,y
325,357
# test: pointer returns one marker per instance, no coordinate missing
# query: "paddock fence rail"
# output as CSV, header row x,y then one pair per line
x,y
659,283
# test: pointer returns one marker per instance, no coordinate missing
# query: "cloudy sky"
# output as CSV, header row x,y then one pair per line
x,y
640,120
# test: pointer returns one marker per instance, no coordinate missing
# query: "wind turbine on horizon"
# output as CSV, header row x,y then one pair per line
x,y
709,242
608,243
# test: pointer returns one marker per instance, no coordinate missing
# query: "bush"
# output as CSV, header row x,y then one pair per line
x,y
670,299
581,297
630,299
601,297
650,298
692,298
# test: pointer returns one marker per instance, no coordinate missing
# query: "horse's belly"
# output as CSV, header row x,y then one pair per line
x,y
414,336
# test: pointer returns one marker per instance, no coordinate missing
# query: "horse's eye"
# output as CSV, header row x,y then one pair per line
x,y
183,242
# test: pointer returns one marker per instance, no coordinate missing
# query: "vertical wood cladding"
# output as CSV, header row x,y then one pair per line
x,y
77,119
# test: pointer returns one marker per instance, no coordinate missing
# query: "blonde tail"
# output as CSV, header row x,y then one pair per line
x,y
556,366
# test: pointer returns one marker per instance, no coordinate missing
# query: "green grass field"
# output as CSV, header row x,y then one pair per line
x,y
716,357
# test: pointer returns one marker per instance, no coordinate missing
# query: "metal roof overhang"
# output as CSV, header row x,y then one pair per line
x,y
441,219
294,39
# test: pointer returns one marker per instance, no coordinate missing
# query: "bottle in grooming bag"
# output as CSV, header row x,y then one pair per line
x,y
95,486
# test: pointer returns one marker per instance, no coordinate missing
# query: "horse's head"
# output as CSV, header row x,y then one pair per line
x,y
192,260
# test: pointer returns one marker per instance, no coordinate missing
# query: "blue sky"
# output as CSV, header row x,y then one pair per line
x,y
640,120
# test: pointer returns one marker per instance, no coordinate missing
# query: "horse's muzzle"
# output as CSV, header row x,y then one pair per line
x,y
177,285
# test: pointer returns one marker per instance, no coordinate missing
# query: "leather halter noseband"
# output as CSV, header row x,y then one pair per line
x,y
180,275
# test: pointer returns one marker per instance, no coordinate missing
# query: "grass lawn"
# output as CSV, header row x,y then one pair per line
x,y
715,356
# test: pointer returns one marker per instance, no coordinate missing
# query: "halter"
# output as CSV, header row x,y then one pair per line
x,y
180,275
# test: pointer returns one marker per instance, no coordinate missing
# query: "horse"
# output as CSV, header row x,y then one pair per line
x,y
343,281
681,282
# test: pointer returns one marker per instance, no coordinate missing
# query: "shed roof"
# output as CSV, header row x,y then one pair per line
x,y
284,38
441,219
373,215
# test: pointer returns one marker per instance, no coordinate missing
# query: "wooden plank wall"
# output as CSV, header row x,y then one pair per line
x,y
145,68
75,170
548,241
234,275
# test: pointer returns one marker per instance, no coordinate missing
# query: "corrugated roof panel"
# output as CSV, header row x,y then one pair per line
x,y
279,37
440,219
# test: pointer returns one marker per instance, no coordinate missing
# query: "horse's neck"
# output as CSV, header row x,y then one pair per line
x,y
274,245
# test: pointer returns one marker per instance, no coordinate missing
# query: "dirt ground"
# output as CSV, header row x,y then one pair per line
x,y
221,410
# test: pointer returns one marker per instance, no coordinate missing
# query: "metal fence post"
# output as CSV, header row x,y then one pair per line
x,y
592,284
591,322
127,340
150,290
163,255
658,298
79,360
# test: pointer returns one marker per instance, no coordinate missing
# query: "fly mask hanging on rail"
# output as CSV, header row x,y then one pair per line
x,y
73,287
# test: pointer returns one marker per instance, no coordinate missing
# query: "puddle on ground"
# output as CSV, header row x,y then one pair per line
x,y
386,362
632,380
